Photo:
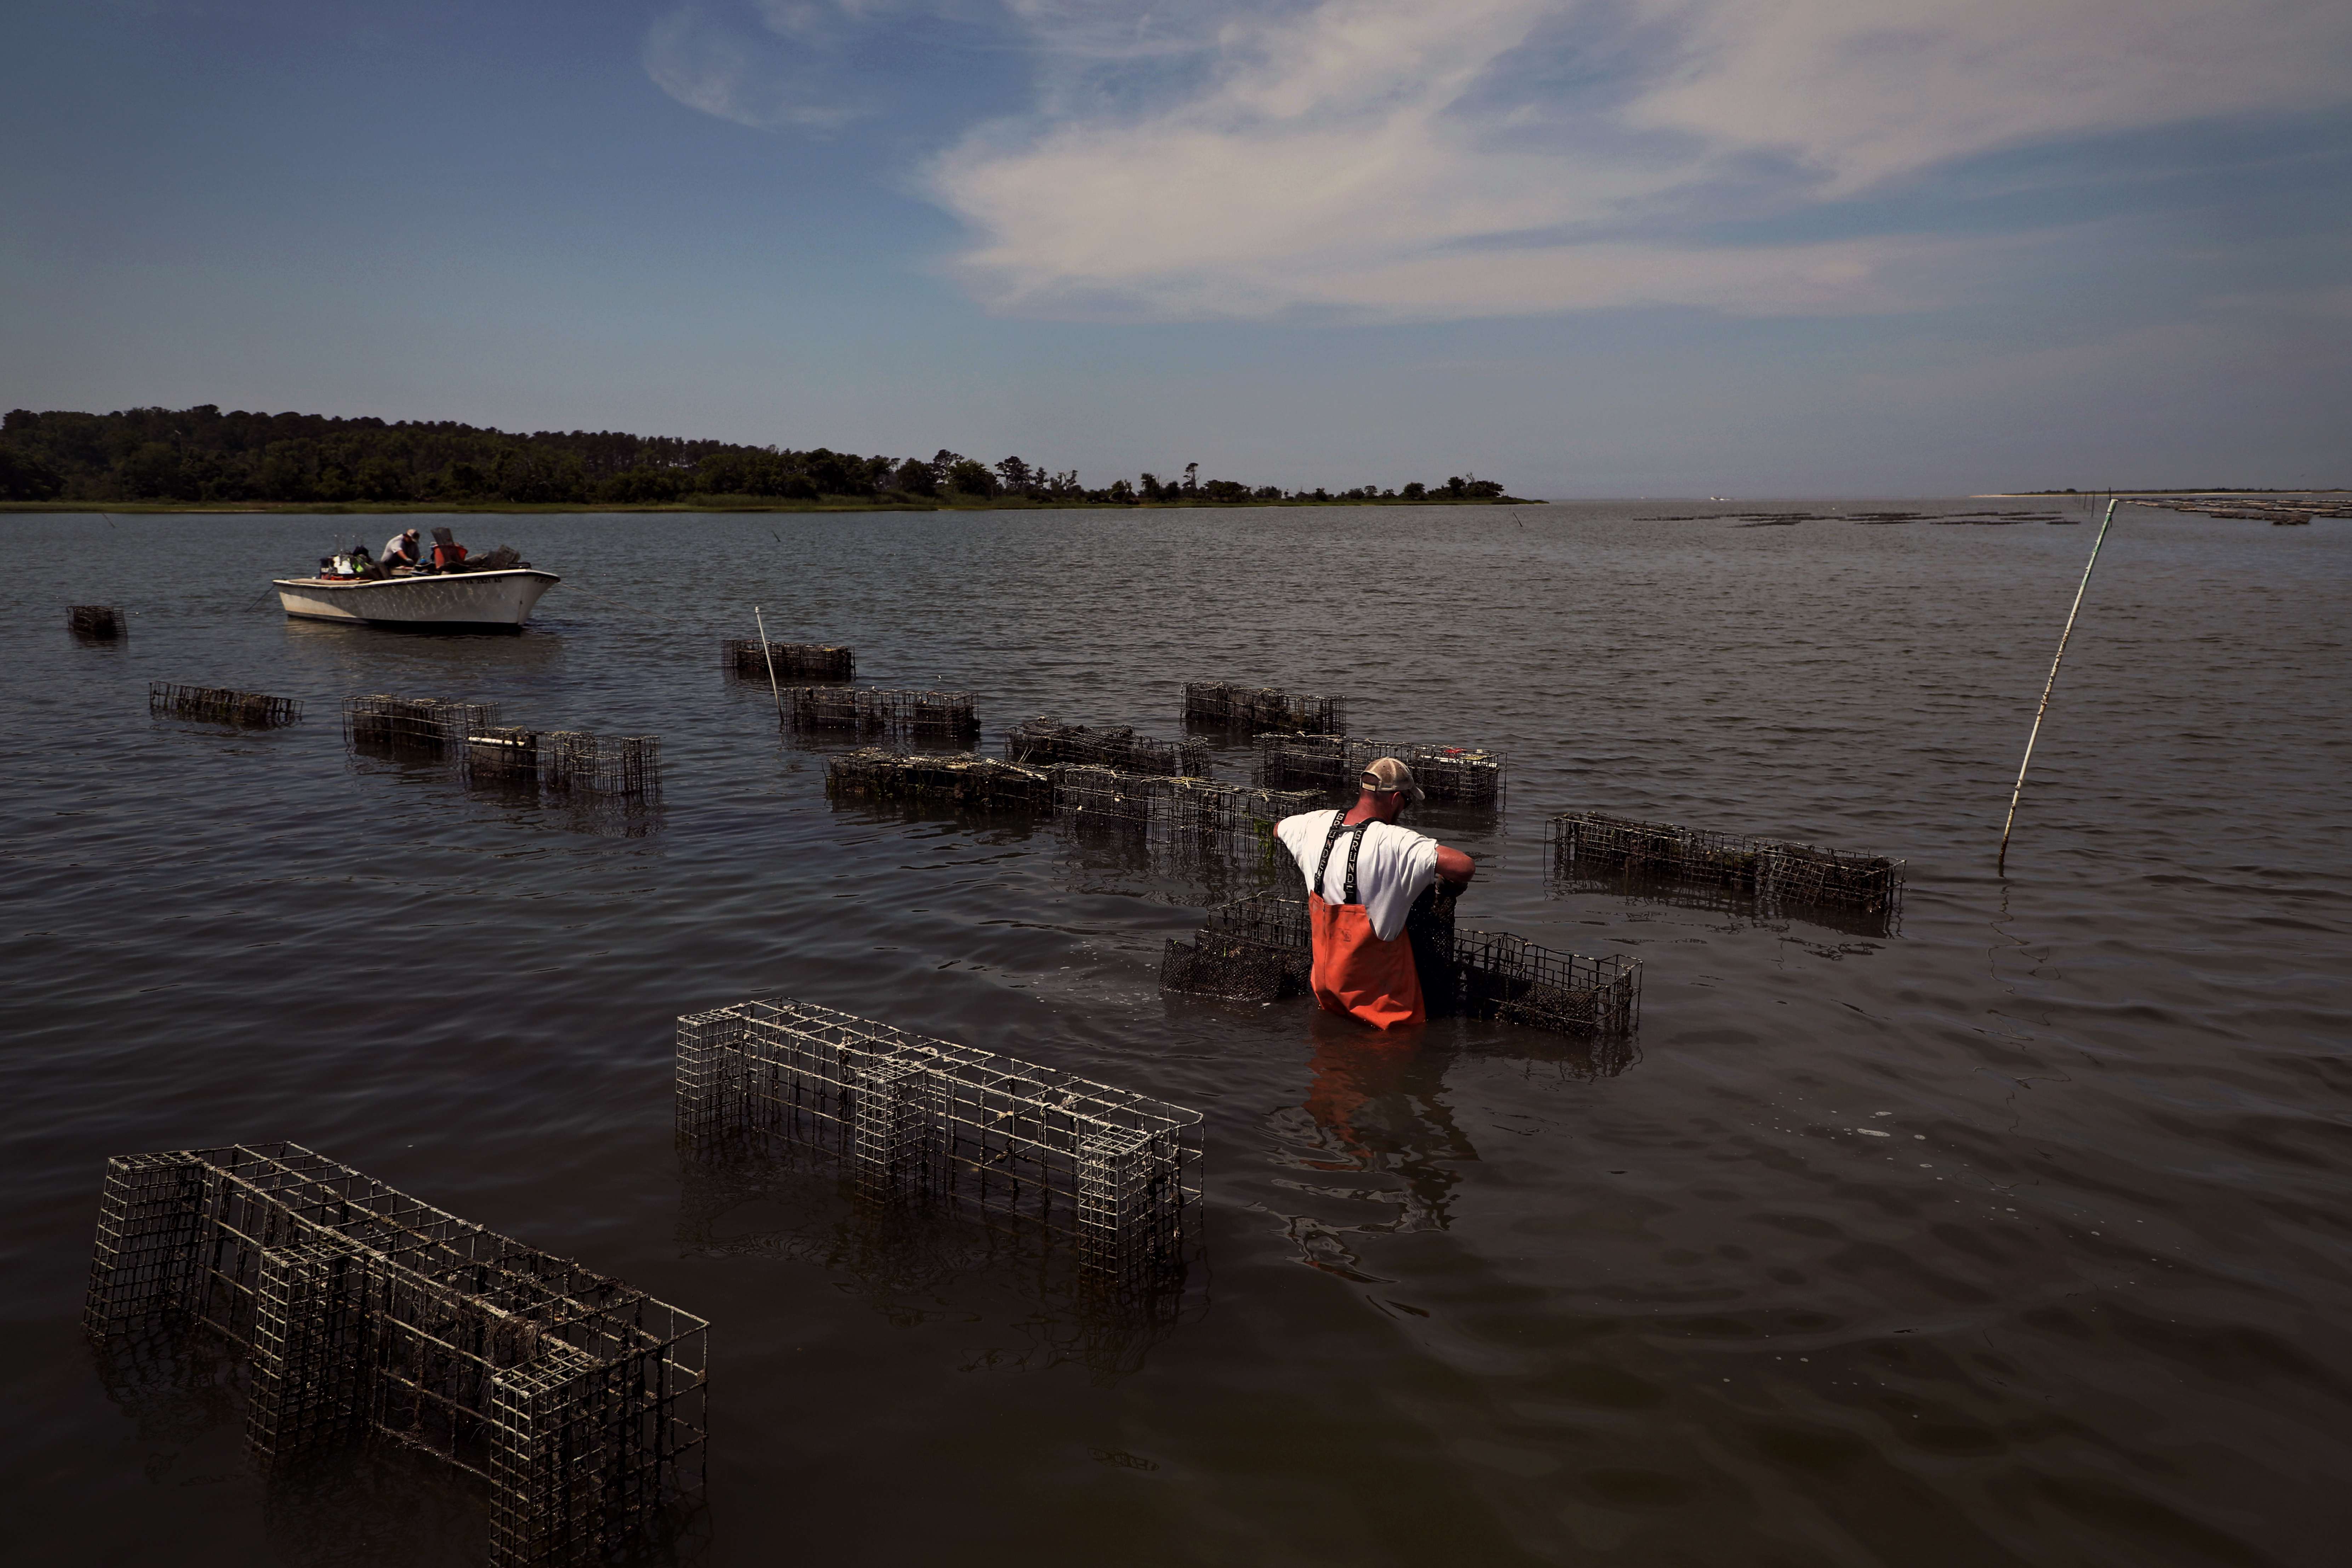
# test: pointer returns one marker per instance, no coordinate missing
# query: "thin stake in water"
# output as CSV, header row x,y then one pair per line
x,y
769,655
2001,862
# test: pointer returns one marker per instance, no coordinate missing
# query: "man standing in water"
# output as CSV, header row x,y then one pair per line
x,y
1356,902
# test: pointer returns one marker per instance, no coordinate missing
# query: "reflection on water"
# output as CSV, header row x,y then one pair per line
x,y
1027,1300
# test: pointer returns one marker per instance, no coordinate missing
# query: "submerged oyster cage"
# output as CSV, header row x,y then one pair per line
x,y
221,705
1594,848
1334,763
415,725
366,1313
1258,949
935,715
1263,708
95,620
1041,742
964,779
574,764
752,659
576,761
921,1122
1231,816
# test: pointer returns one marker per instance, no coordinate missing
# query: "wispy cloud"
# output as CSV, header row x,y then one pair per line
x,y
764,67
1408,159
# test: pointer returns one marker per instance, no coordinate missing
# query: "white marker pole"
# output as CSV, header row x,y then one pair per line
x,y
2001,862
769,654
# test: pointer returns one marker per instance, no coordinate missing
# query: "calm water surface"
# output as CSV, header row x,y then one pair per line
x,y
1489,1303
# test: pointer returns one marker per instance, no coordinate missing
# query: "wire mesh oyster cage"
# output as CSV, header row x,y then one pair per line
x,y
755,660
962,780
1596,851
99,622
366,1314
1041,742
1228,819
384,724
1334,764
221,705
927,1123
1229,705
937,716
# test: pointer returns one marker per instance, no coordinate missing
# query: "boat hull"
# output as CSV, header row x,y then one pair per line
x,y
460,599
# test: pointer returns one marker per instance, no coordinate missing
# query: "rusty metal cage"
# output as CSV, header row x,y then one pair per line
x,y
1042,743
221,705
1234,817
574,762
935,716
1237,707
415,725
368,1314
917,1122
1598,852
1460,775
962,780
754,661
100,621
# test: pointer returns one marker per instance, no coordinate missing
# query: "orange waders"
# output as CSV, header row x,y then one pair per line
x,y
1355,972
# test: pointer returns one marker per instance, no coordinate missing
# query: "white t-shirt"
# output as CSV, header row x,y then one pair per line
x,y
1392,869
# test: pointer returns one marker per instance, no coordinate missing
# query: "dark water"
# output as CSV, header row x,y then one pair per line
x,y
2082,1305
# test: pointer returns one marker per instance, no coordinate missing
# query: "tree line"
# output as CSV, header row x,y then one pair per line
x,y
202,455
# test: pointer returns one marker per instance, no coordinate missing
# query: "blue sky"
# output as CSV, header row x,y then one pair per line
x,y
1585,246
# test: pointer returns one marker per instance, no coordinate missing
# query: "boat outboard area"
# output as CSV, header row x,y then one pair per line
x,y
446,589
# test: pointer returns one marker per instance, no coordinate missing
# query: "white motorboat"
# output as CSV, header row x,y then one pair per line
x,y
476,600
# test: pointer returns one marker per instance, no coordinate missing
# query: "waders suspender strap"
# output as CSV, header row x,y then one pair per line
x,y
1339,826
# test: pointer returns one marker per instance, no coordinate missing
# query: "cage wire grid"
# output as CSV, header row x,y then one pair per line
x,y
754,661
1042,743
222,705
1595,848
365,1313
922,1122
563,762
95,620
1335,764
1237,707
962,780
917,714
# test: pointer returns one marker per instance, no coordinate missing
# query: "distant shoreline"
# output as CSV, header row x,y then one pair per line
x,y
715,505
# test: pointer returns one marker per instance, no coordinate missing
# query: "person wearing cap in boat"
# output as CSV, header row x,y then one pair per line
x,y
400,549
1363,873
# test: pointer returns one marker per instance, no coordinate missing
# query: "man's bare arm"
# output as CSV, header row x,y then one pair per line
x,y
1455,866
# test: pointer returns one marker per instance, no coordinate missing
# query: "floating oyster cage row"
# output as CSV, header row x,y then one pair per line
x,y
755,660
101,621
1258,949
1233,706
935,715
929,1123
964,780
1041,742
467,734
221,705
1458,776
1597,849
365,1313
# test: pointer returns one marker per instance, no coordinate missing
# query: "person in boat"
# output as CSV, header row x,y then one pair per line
x,y
399,551
1363,873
